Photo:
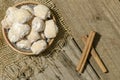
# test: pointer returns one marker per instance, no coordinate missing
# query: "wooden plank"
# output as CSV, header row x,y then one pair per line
x,y
103,16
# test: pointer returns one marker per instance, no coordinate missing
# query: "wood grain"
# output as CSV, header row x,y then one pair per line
x,y
102,16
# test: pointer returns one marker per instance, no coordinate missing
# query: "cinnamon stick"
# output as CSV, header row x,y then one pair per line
x,y
95,56
86,51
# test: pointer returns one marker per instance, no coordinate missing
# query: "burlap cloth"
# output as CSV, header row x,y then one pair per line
x,y
13,65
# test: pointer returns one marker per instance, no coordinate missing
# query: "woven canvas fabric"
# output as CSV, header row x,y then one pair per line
x,y
15,66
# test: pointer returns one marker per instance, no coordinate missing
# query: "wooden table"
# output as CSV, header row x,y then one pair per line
x,y
102,16
82,16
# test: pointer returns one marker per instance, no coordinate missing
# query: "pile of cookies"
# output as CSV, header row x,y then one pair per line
x,y
30,27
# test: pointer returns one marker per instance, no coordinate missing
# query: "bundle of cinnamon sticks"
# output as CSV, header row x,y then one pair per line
x,y
88,41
